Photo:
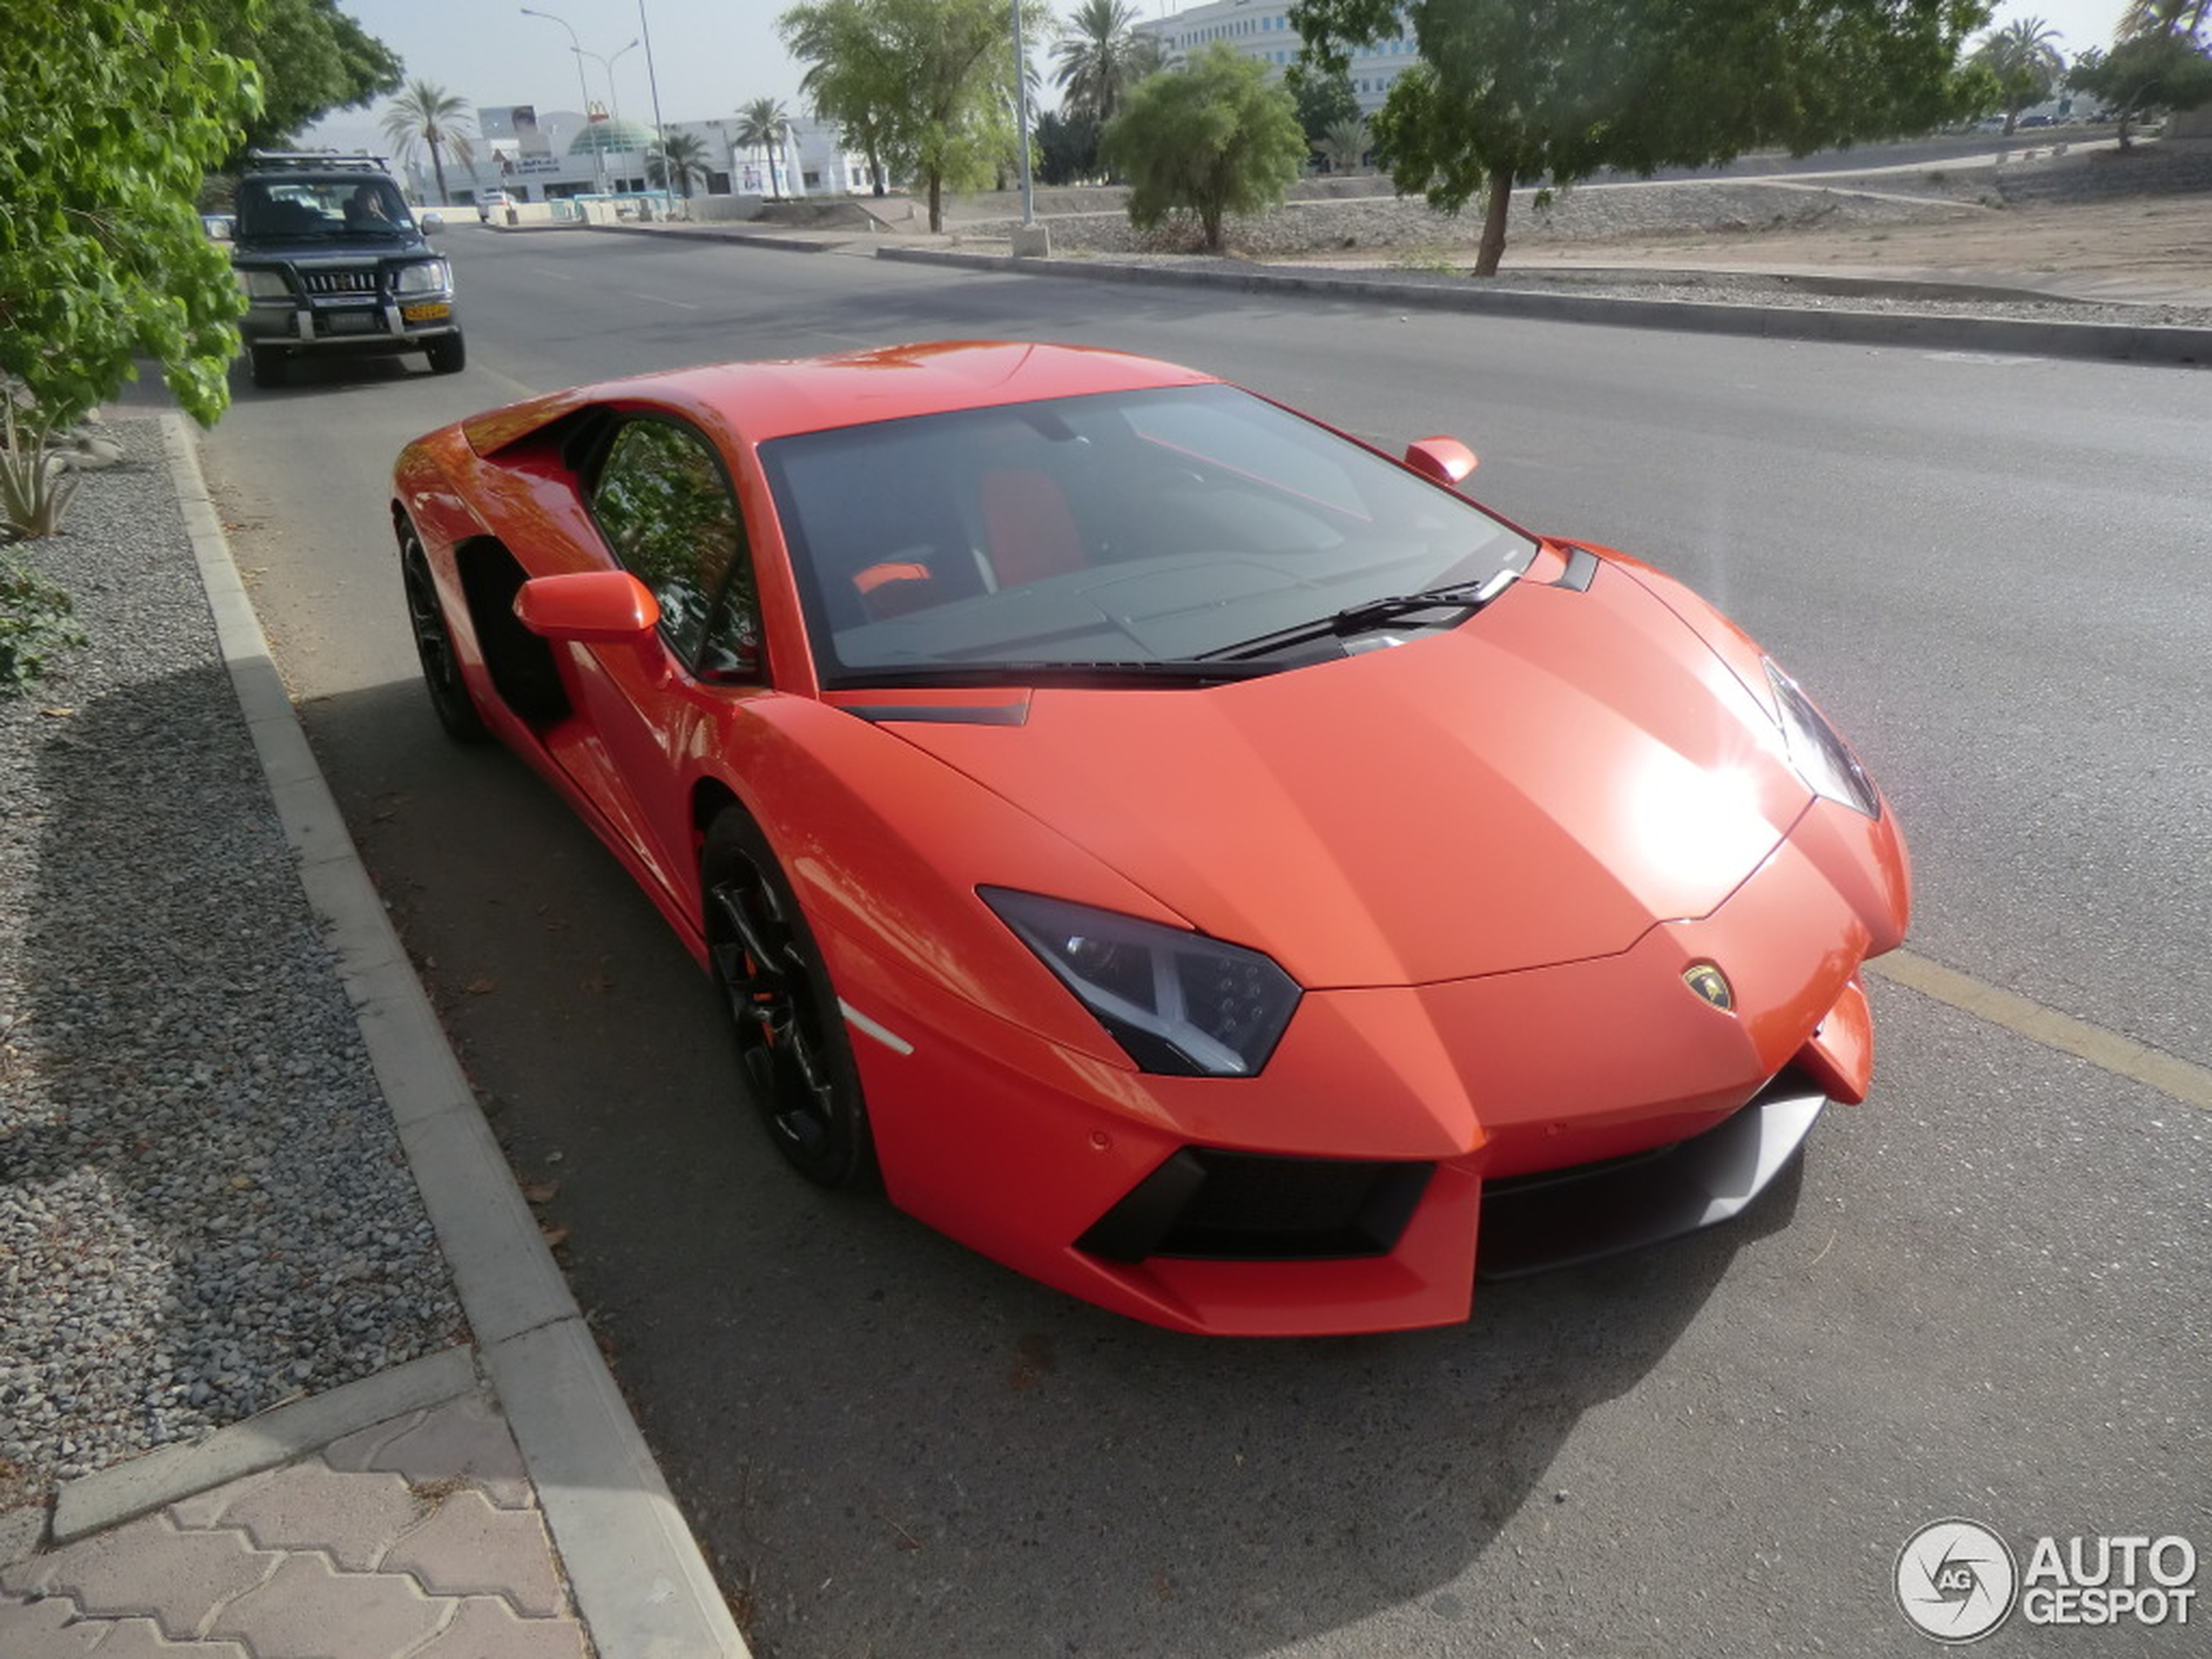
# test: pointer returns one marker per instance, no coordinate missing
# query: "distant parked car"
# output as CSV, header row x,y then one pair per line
x,y
492,202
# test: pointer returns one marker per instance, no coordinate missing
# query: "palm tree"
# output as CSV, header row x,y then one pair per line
x,y
679,163
1101,56
1344,142
763,125
426,114
2025,61
2186,18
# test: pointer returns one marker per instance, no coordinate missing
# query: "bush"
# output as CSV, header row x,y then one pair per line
x,y
34,623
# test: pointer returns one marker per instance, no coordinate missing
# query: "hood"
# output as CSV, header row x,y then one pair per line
x,y
1541,783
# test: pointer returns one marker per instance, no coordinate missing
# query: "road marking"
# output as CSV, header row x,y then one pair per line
x,y
654,299
2123,1056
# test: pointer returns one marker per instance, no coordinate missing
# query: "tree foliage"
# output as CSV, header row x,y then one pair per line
x,y
313,59
1100,56
1216,139
1324,99
2144,72
679,162
765,125
2025,61
1508,93
113,112
1067,147
426,116
925,86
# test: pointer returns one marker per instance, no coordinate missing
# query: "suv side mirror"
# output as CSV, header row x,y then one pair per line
x,y
432,221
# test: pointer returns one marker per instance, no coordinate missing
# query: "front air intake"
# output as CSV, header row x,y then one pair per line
x,y
1246,1206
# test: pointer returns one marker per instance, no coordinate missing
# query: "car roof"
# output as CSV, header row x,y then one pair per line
x,y
755,402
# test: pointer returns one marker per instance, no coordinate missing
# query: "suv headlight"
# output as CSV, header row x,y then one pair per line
x,y
1818,751
1179,1003
428,276
262,285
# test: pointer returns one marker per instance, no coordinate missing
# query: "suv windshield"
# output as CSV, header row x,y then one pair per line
x,y
346,207
1138,534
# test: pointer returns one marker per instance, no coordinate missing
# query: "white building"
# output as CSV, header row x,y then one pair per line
x,y
1261,29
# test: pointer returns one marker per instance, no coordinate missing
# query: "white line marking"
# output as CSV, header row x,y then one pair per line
x,y
656,299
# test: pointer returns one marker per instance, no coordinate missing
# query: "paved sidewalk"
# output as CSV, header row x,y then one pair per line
x,y
491,1500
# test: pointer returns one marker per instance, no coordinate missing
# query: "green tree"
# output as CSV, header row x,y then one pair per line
x,y
1507,93
848,69
312,60
1101,56
679,163
426,116
113,112
926,84
1323,100
1344,144
2025,63
763,125
1067,147
2145,72
1213,140
2187,18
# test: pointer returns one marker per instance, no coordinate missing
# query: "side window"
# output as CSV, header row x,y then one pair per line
x,y
665,508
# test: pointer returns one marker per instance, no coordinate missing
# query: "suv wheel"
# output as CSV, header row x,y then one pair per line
x,y
267,366
449,354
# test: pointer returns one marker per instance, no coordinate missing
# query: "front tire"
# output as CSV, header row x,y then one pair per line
x,y
425,616
789,1028
267,366
449,354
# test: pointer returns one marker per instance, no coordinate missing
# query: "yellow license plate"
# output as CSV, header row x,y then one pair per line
x,y
430,313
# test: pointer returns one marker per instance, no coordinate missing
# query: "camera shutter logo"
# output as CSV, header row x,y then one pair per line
x,y
1956,1580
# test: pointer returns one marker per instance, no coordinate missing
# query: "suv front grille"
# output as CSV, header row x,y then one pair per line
x,y
351,280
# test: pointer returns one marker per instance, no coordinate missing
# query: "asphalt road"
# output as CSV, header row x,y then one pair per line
x,y
1983,1296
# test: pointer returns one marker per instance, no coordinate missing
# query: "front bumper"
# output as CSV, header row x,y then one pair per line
x,y
354,323
1401,1136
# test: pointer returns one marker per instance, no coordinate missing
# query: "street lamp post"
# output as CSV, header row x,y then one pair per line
x,y
598,154
660,132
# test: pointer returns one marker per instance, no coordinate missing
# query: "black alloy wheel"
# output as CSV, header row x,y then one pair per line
x,y
426,617
789,1028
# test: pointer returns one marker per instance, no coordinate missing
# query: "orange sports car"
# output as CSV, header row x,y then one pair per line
x,y
1191,857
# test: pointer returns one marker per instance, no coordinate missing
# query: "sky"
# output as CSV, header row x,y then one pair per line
x,y
711,56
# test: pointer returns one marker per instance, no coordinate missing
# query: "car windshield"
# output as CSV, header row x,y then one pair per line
x,y
302,208
1194,529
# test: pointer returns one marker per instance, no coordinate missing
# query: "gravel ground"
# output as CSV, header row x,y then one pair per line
x,y
203,1208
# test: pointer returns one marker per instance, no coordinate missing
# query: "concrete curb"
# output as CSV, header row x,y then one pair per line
x,y
642,1587
2120,342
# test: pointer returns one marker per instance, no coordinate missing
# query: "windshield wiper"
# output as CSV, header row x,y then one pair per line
x,y
1173,671
1358,619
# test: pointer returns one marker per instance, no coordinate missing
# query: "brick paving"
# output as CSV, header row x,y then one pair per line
x,y
417,1538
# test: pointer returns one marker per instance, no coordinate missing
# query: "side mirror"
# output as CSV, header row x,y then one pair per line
x,y
589,607
1446,460
431,222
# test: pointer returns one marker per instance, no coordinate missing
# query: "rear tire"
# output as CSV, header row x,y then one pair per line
x,y
789,1026
449,354
267,366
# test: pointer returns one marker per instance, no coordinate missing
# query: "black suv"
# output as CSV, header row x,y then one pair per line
x,y
331,261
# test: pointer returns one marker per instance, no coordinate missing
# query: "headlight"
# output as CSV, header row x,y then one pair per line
x,y
1179,1003
262,285
1818,751
431,276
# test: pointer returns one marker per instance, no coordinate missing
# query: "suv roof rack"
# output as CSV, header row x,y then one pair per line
x,y
314,161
